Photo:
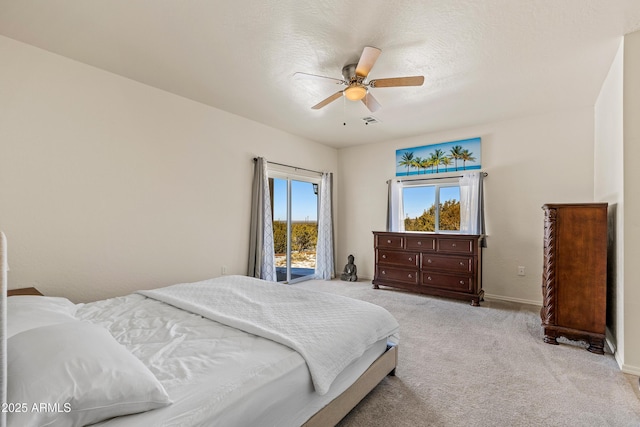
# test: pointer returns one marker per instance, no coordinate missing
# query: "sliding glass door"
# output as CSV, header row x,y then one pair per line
x,y
295,226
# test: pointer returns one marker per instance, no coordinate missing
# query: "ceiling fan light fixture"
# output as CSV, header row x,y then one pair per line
x,y
355,92
357,85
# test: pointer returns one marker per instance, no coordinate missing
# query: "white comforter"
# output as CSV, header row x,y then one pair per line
x,y
329,331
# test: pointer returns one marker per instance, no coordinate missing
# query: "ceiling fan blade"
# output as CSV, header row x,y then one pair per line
x,y
326,101
372,104
398,81
367,59
300,75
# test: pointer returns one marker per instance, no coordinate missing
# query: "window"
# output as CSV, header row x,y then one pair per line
x,y
294,203
431,207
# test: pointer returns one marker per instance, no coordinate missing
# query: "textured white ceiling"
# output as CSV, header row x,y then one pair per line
x,y
482,60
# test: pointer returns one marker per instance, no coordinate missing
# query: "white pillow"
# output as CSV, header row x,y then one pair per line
x,y
76,374
27,312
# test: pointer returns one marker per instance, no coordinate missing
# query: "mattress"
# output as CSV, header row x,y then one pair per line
x,y
215,375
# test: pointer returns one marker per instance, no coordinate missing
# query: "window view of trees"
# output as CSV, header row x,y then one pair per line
x,y
449,218
431,207
294,202
304,236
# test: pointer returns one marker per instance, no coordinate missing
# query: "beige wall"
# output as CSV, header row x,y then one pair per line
x,y
631,106
108,186
530,161
609,187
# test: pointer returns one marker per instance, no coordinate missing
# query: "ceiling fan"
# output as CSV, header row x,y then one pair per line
x,y
355,76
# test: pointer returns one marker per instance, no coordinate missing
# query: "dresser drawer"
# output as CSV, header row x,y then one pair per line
x,y
398,275
454,264
387,241
445,281
442,264
405,259
465,246
421,243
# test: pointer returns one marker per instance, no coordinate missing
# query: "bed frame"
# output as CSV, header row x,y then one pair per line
x,y
330,415
339,407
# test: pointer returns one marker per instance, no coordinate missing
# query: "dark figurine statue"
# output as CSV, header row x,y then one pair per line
x,y
350,271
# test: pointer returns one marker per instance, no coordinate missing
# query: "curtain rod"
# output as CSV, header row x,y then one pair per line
x,y
255,159
436,177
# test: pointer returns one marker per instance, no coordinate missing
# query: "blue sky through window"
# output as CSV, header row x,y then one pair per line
x,y
418,199
449,193
304,206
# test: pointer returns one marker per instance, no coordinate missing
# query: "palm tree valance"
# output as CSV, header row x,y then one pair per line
x,y
438,158
454,156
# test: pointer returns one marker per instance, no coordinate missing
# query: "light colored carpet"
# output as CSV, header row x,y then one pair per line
x,y
486,366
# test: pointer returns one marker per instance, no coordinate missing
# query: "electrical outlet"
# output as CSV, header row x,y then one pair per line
x,y
520,270
224,270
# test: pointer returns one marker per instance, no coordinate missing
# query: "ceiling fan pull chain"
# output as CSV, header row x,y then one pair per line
x,y
344,110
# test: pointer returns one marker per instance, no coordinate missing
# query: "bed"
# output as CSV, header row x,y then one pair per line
x,y
230,351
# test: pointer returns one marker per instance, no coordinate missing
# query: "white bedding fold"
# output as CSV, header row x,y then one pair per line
x,y
329,331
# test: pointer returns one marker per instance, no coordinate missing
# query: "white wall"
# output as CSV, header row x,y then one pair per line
x,y
108,185
531,161
609,187
631,106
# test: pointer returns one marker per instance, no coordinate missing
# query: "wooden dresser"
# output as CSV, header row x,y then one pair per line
x,y
574,278
447,265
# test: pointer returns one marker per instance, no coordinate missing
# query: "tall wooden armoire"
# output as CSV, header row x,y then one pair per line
x,y
574,279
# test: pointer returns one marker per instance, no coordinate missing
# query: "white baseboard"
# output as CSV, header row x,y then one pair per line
x,y
628,369
611,342
511,299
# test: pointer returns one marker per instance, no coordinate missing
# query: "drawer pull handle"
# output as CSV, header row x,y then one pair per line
x,y
453,245
429,278
419,243
384,256
462,263
429,260
409,276
388,241
462,282
410,259
384,272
